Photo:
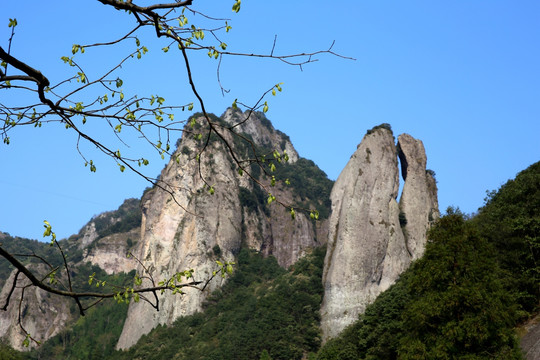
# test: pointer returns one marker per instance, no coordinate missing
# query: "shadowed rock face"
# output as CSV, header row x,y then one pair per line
x,y
175,238
367,247
419,196
43,315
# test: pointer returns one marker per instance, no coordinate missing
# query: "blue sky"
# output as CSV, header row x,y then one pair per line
x,y
464,77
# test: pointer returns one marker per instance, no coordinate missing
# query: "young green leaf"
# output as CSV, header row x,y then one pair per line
x,y
236,6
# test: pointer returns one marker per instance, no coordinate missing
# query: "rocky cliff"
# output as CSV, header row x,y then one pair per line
x,y
103,241
107,238
43,315
191,229
372,239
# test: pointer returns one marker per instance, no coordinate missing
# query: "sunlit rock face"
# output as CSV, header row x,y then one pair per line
x,y
190,230
369,244
110,252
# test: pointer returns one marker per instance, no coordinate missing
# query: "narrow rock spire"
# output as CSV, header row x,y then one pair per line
x,y
366,248
372,239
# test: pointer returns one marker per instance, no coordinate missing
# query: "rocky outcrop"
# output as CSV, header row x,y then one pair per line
x,y
188,230
42,316
367,246
530,338
418,200
127,217
87,235
110,252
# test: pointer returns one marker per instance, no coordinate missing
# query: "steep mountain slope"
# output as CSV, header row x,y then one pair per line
x,y
262,308
212,224
215,215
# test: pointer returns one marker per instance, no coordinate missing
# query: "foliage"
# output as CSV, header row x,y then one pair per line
x,y
17,245
8,353
309,183
402,219
265,355
253,200
261,308
264,120
511,220
127,217
432,174
381,126
459,308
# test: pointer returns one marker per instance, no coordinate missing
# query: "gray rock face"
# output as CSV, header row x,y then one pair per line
x,y
367,247
180,235
419,196
43,315
88,235
109,253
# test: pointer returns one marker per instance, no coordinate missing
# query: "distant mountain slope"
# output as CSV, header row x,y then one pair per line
x,y
45,315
